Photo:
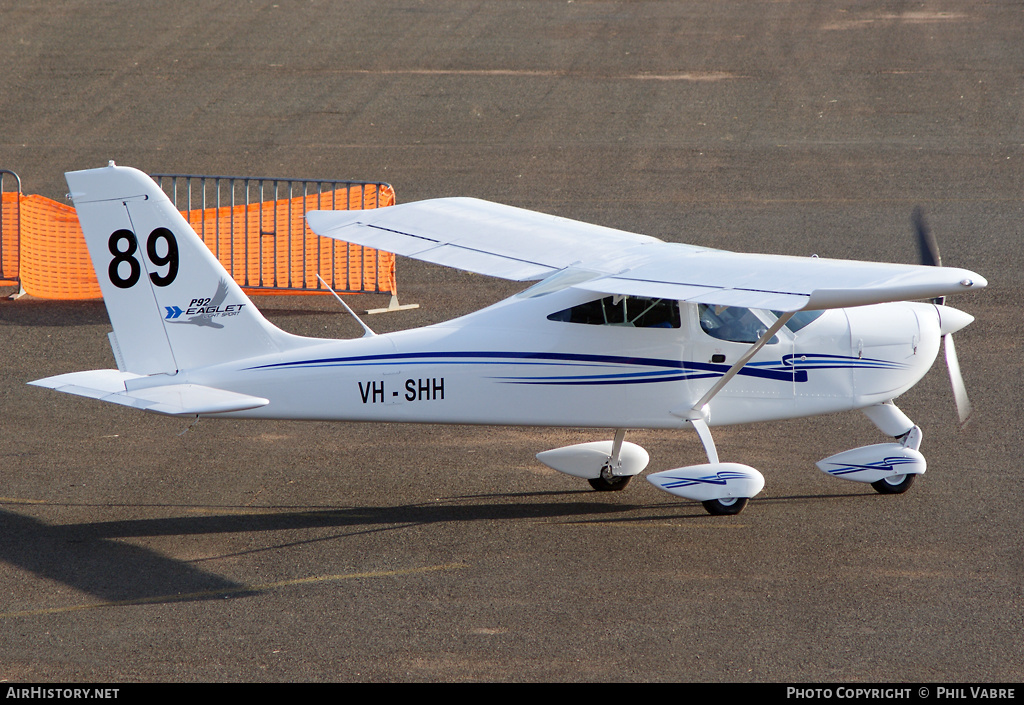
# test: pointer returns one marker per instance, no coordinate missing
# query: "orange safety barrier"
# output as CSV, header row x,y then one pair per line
x,y
54,262
9,255
254,242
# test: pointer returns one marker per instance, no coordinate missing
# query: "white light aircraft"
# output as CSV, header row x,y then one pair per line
x,y
620,331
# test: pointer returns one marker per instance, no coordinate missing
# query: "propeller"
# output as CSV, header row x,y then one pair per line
x,y
963,404
928,251
927,245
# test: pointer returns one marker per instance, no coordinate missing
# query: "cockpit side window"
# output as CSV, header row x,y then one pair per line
x,y
633,311
738,325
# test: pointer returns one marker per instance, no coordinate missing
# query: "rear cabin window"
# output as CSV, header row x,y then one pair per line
x,y
633,311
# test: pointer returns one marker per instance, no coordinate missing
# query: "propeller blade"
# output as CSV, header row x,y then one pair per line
x,y
927,246
963,404
928,252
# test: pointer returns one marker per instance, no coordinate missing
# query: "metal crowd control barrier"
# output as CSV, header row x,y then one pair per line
x,y
10,220
256,227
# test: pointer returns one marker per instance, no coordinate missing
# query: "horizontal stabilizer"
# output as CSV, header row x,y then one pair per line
x,y
170,399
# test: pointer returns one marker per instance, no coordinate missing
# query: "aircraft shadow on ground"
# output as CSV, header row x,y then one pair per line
x,y
94,558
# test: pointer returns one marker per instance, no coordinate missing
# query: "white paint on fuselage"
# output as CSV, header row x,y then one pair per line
x,y
509,365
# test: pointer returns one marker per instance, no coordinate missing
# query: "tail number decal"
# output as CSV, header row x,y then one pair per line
x,y
123,246
430,389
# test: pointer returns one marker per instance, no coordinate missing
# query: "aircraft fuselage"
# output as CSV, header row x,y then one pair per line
x,y
510,364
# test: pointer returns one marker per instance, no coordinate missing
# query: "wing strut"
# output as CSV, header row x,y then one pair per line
x,y
367,332
696,414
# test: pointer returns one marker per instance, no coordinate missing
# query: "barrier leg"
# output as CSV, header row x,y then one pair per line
x,y
393,305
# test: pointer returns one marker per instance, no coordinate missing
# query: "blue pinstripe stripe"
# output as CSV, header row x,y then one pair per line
x,y
791,368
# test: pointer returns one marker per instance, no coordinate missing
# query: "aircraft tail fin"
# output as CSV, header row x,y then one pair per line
x,y
172,304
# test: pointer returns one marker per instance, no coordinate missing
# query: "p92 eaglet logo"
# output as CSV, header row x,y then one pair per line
x,y
125,270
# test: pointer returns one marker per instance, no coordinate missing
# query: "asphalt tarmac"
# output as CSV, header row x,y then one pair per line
x,y
133,548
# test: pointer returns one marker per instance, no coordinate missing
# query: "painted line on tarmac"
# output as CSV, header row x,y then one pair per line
x,y
265,587
691,76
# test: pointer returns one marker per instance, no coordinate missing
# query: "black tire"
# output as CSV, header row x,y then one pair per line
x,y
616,484
725,507
886,486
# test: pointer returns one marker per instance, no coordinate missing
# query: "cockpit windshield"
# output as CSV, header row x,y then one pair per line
x,y
738,325
741,325
800,319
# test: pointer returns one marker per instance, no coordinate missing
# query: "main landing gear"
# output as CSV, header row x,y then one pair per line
x,y
609,482
725,507
723,489
607,465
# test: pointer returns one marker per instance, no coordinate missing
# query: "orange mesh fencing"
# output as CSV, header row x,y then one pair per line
x,y
54,263
9,238
266,247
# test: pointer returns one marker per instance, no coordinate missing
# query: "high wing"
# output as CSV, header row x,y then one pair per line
x,y
477,236
522,245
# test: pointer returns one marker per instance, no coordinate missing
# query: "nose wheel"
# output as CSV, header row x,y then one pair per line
x,y
897,484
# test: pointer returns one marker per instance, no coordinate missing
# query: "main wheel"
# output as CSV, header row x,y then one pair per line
x,y
897,484
612,484
725,507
